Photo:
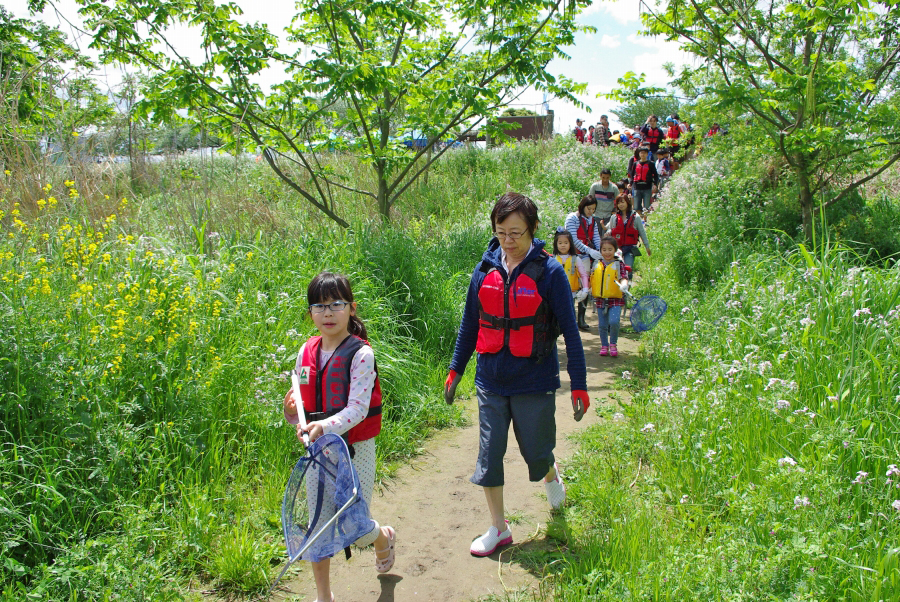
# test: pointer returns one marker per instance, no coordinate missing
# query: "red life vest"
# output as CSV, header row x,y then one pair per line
x,y
673,133
586,236
652,136
325,391
624,231
641,172
514,315
579,134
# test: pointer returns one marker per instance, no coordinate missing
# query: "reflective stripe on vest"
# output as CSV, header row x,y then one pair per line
x,y
571,271
515,315
325,391
605,281
624,231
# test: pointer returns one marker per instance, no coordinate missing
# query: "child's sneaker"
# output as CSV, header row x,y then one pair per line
x,y
604,351
613,352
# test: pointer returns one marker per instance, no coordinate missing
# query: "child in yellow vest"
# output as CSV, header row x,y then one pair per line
x,y
576,271
609,281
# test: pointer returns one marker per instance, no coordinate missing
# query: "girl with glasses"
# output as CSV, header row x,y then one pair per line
x,y
340,393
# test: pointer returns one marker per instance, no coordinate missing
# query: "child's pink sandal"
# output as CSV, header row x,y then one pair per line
x,y
613,351
604,351
383,565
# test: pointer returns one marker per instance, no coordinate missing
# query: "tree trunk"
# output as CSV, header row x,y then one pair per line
x,y
806,201
384,206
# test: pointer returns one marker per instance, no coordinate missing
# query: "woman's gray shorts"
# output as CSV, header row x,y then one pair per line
x,y
533,417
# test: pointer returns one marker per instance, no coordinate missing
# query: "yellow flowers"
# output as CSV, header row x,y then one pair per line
x,y
6,172
249,255
75,134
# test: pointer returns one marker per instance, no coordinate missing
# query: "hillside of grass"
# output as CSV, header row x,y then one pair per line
x,y
757,459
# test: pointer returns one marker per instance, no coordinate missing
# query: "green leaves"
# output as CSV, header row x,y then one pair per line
x,y
366,76
796,67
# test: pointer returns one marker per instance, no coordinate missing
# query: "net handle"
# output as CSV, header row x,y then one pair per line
x,y
295,386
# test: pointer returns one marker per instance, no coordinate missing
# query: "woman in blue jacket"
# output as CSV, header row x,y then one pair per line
x,y
517,304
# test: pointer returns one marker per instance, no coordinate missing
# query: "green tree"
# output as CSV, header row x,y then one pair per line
x,y
819,78
639,102
394,66
35,86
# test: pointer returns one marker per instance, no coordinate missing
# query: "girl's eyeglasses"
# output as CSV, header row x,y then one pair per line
x,y
317,308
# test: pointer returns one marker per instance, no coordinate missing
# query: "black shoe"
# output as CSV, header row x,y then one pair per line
x,y
582,325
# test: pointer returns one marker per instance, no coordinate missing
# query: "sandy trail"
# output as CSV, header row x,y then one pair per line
x,y
437,512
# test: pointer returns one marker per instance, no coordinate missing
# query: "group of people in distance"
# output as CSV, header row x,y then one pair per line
x,y
675,134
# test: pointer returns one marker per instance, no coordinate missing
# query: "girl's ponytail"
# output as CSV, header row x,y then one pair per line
x,y
357,327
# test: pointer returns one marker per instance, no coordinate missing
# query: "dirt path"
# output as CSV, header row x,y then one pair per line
x,y
437,512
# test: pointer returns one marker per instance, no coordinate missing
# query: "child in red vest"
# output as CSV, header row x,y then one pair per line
x,y
627,228
341,394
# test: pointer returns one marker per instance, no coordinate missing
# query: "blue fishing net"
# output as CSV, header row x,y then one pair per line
x,y
322,511
647,312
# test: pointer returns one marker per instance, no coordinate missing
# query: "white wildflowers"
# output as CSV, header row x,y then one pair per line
x,y
787,461
800,502
861,477
649,428
626,375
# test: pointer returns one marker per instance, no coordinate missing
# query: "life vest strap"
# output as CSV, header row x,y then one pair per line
x,y
501,323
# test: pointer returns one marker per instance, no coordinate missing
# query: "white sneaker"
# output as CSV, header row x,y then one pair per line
x,y
556,490
490,541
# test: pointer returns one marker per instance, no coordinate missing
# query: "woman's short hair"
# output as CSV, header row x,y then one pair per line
x,y
587,201
513,202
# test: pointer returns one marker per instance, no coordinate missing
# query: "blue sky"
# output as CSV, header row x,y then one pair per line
x,y
597,59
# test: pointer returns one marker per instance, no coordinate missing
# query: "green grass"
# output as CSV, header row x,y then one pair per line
x,y
142,362
763,429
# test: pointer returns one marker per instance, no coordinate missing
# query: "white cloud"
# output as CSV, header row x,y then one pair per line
x,y
623,11
609,41
651,64
646,41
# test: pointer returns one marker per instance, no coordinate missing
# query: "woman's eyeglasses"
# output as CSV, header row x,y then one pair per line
x,y
317,308
509,235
